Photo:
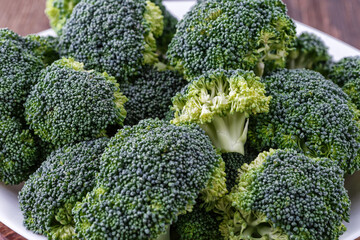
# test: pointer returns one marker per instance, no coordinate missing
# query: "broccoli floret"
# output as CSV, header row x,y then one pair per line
x,y
46,48
69,104
352,88
150,173
150,94
63,179
221,101
197,225
58,12
19,70
239,34
283,195
18,151
310,114
116,36
309,51
344,70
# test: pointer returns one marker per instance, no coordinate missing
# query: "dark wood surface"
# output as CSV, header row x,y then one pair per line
x,y
338,18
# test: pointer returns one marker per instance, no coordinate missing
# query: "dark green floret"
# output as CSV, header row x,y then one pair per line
x,y
116,36
285,195
69,104
18,151
197,225
63,179
45,48
150,94
150,173
346,69
310,114
239,34
309,52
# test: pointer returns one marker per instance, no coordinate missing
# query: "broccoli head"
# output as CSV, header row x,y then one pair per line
x,y
113,36
150,94
150,173
197,225
344,70
310,114
58,12
239,34
46,48
18,151
69,104
284,195
310,52
221,102
63,179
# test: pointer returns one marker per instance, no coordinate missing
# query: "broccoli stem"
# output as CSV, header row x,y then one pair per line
x,y
228,133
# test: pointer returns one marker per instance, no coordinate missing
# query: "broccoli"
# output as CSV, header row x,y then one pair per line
x,y
283,195
149,174
116,36
310,52
197,225
221,101
58,12
150,94
239,34
344,70
18,151
46,48
63,179
69,104
310,114
19,70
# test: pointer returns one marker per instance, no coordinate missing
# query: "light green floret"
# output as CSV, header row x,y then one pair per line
x,y
221,102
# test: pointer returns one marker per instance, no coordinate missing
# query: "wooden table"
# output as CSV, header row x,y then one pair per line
x,y
339,18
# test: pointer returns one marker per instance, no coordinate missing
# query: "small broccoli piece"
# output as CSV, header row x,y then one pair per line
x,y
352,88
150,173
69,104
197,225
283,195
18,72
221,101
46,48
18,151
346,69
115,36
239,34
150,94
310,51
310,114
58,12
63,179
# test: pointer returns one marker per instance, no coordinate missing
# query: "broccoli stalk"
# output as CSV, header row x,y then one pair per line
x,y
221,102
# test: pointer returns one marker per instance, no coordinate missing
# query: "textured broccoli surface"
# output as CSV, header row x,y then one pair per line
x,y
150,94
310,52
284,195
240,34
46,48
150,173
310,114
18,151
113,36
197,225
63,179
58,12
221,101
352,88
19,70
344,70
69,104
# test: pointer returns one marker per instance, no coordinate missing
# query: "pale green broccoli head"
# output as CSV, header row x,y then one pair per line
x,y
214,35
116,36
221,102
346,69
285,195
69,104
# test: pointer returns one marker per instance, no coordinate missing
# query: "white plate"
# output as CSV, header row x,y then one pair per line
x,y
10,213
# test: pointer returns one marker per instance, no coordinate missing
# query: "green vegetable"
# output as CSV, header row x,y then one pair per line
x,y
46,48
346,69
